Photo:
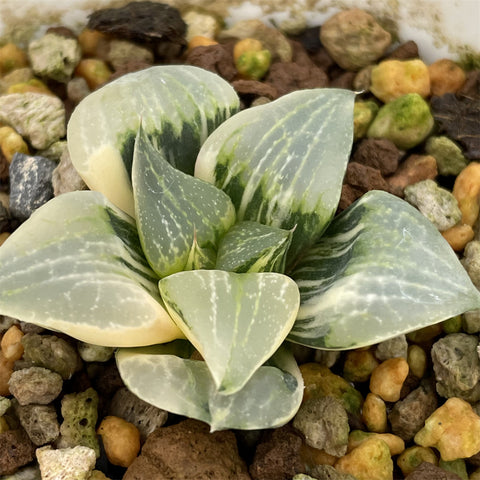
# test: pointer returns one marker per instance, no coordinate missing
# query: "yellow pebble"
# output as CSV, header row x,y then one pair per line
x,y
466,190
359,365
4,426
391,79
121,440
445,77
312,456
11,344
417,360
453,429
387,379
246,45
90,41
6,370
374,413
96,72
412,457
11,142
11,58
394,442
33,85
200,41
371,460
3,237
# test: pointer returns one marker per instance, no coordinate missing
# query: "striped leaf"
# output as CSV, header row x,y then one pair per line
x,y
381,269
84,274
173,208
283,163
200,258
186,387
253,247
179,107
236,321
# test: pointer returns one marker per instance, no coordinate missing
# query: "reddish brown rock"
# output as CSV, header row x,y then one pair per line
x,y
215,58
348,196
278,457
405,51
188,450
378,153
254,88
16,450
364,178
428,471
414,169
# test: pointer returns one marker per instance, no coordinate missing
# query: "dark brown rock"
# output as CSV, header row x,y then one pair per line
x,y
16,451
407,416
345,80
142,21
278,456
471,87
188,450
428,471
378,153
215,58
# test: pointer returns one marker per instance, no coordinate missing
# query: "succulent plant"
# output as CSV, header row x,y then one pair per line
x,y
215,230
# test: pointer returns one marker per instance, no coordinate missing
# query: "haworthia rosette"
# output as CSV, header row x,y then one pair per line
x,y
380,270
283,163
84,275
235,320
179,107
174,209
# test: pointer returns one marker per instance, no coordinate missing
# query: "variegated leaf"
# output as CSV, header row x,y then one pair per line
x,y
253,247
236,321
84,274
283,163
200,258
380,270
179,106
186,387
172,208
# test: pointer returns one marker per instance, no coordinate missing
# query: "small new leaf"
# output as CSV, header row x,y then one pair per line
x,y
253,247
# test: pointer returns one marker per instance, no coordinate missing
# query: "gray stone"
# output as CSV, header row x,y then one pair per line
x,y
5,404
408,416
436,203
471,321
144,416
30,184
65,177
324,423
77,89
80,414
471,261
354,39
40,422
449,156
75,463
37,117
51,352
326,472
35,385
396,347
122,52
54,56
94,353
457,366
32,472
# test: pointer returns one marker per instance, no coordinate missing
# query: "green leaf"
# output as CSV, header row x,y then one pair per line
x,y
236,321
381,269
172,208
253,247
84,274
179,107
283,163
200,258
185,387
